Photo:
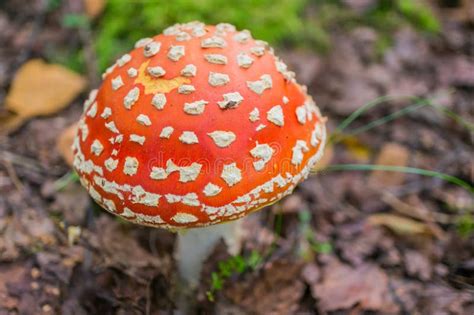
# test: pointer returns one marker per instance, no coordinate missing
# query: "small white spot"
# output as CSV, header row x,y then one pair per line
x,y
189,173
137,139
127,213
231,100
109,205
143,41
114,152
97,147
186,89
189,71
218,79
112,127
301,114
225,27
188,137
261,85
158,173
172,30
131,97
260,127
183,36
191,199
106,113
254,115
166,132
92,110
176,52
195,108
151,49
171,167
117,83
275,115
212,190
90,99
156,71
123,60
117,139
184,218
132,72
262,152
84,130
317,134
109,70
213,42
285,100
111,164
222,138
159,101
216,59
283,69
139,195
144,120
242,36
298,152
244,60
130,166
231,174
258,51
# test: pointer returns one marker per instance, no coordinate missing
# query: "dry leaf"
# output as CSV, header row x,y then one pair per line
x,y
356,149
391,154
64,143
399,225
94,7
344,287
40,89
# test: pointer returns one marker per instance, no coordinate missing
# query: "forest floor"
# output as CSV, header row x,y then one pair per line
x,y
345,242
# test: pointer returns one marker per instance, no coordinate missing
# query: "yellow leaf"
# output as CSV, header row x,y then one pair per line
x,y
94,7
40,89
356,148
399,225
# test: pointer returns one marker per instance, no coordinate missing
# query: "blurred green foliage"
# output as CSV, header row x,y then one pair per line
x,y
124,22
294,23
465,225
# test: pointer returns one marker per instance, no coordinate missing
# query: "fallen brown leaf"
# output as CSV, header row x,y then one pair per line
x,y
276,290
392,154
400,225
94,7
39,89
344,287
64,143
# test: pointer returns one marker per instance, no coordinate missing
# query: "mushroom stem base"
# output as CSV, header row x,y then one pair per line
x,y
195,245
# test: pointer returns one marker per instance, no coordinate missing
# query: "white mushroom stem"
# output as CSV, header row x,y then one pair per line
x,y
195,245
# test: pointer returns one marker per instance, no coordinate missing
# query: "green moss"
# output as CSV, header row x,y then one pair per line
x,y
125,22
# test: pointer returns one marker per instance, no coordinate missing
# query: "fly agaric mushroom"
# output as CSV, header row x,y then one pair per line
x,y
197,126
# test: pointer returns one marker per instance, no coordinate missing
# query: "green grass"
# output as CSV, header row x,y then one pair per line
x,y
402,169
295,23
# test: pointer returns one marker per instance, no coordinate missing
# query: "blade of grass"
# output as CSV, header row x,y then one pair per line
x,y
358,112
402,169
389,117
419,103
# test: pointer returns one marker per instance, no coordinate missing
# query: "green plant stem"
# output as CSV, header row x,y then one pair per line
x,y
402,169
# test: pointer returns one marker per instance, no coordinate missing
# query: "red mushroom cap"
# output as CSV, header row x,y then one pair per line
x,y
196,126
